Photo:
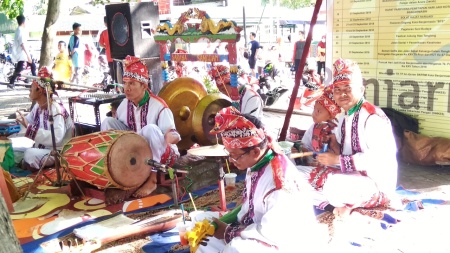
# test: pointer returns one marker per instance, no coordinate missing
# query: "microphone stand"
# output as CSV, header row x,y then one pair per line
x,y
53,153
172,174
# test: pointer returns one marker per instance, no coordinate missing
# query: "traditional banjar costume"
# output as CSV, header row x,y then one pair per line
x,y
274,197
368,160
38,128
151,118
250,101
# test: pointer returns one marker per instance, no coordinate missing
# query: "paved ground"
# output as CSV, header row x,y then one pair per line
x,y
410,176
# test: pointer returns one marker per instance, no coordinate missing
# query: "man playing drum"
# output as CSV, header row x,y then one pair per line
x,y
249,100
38,125
367,154
274,198
148,115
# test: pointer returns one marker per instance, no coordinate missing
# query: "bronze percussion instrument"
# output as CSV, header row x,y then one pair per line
x,y
212,151
193,110
203,119
182,96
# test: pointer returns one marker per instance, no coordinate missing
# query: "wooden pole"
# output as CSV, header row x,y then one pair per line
x,y
299,72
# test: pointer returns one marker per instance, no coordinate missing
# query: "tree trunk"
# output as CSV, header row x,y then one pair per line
x,y
8,238
49,34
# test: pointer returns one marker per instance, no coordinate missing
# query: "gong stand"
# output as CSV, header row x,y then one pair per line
x,y
54,152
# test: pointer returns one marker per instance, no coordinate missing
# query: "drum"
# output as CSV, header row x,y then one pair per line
x,y
108,158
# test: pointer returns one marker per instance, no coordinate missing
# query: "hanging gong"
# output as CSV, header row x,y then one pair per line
x,y
203,118
182,96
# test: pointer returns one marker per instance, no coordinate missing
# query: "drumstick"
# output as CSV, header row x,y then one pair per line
x,y
303,154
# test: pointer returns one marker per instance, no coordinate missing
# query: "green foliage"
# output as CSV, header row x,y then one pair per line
x,y
210,87
12,8
292,4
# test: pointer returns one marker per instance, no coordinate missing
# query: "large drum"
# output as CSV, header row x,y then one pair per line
x,y
108,158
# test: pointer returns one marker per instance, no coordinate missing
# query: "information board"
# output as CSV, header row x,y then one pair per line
x,y
403,49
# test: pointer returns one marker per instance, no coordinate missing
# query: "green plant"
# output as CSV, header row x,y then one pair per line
x,y
210,87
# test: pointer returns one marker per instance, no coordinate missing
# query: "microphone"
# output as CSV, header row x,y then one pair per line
x,y
162,167
155,164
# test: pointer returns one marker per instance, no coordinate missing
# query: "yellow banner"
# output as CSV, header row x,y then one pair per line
x,y
403,49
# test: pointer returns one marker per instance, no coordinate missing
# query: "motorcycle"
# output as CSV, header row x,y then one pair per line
x,y
270,78
313,87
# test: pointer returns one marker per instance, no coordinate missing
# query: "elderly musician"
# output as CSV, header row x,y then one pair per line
x,y
250,101
367,155
148,115
37,123
274,197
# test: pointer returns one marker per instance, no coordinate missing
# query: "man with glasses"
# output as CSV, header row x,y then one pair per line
x,y
367,154
275,198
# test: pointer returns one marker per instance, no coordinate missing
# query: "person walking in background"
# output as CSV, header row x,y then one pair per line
x,y
62,67
104,42
298,51
321,56
254,50
76,51
20,54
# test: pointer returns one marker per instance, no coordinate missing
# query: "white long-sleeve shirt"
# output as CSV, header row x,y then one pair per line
x,y
39,126
378,148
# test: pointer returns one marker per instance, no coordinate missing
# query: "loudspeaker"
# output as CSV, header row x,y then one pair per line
x,y
129,29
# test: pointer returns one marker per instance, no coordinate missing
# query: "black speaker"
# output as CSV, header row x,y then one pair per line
x,y
129,29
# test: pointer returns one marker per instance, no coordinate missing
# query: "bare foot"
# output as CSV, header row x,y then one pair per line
x,y
115,196
148,187
342,212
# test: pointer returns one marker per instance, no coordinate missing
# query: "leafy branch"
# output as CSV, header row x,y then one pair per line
x,y
12,8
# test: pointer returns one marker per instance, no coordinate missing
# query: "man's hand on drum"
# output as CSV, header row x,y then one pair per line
x,y
21,119
328,159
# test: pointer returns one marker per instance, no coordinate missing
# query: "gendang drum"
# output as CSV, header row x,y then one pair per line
x,y
108,159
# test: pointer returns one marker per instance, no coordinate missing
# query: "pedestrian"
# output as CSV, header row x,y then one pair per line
x,y
20,54
321,56
254,50
104,42
76,52
298,51
62,66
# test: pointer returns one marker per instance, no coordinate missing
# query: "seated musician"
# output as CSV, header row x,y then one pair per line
x,y
38,125
148,115
249,100
274,198
317,139
367,155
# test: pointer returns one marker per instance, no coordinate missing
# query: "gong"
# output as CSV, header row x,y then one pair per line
x,y
203,118
182,96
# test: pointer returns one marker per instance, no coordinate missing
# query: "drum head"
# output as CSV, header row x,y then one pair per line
x,y
126,161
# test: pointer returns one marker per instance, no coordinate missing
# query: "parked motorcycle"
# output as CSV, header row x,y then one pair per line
x,y
270,78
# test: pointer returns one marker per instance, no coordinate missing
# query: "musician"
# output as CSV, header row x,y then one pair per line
x,y
148,115
316,139
38,126
367,155
250,101
275,198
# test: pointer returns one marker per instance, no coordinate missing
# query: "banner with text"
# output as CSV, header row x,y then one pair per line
x,y
403,49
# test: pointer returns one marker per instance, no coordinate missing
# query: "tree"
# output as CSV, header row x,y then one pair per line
x,y
292,4
12,8
53,10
